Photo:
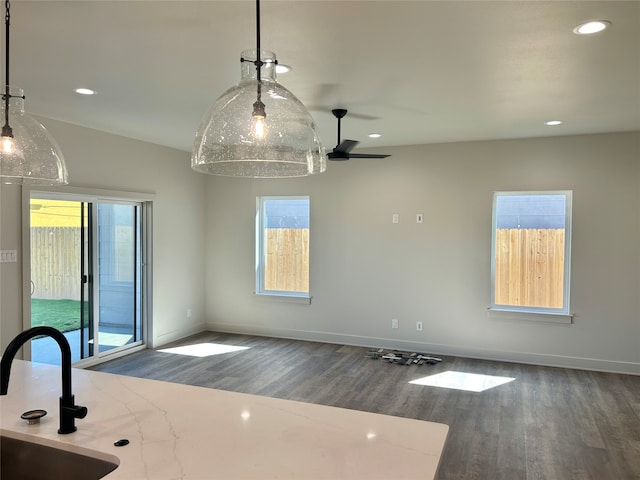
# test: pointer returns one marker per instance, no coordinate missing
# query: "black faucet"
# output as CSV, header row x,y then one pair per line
x,y
68,411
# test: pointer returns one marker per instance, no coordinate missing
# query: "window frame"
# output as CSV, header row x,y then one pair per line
x,y
260,252
144,201
561,315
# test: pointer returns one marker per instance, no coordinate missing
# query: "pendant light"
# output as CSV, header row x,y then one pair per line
x,y
258,128
28,154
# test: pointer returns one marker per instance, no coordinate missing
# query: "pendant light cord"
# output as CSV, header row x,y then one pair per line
x,y
6,129
258,60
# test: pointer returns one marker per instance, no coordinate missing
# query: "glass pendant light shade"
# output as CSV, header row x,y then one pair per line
x,y
258,129
31,156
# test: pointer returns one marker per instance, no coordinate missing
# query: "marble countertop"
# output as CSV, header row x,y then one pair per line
x,y
180,431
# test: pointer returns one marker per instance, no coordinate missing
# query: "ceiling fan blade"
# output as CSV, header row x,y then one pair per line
x,y
346,146
362,116
338,155
323,109
367,155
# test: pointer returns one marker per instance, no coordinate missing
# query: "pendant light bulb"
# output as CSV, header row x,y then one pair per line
x,y
259,129
258,124
7,142
8,145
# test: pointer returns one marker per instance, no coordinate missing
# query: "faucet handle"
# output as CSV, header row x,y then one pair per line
x,y
77,411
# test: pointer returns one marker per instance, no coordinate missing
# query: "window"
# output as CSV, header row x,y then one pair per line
x,y
531,248
282,246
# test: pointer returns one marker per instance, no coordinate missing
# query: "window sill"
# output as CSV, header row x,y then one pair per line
x,y
545,317
284,298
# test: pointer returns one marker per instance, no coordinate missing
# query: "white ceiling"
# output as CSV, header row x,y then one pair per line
x,y
415,71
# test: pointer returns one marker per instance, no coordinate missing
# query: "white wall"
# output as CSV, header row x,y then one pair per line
x,y
104,161
366,271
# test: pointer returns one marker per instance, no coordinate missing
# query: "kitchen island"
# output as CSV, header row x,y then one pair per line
x,y
185,432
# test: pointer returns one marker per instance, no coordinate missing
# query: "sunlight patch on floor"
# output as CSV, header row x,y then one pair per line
x,y
203,349
471,382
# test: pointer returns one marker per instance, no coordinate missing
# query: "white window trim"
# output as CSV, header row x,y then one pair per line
x,y
284,297
553,315
261,293
497,313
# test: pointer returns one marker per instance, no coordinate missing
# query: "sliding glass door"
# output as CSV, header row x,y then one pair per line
x,y
119,275
87,274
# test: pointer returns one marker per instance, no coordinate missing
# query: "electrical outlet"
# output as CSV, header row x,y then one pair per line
x,y
395,218
419,326
188,313
394,323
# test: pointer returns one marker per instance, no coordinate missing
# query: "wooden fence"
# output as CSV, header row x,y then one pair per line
x,y
529,267
55,263
287,260
529,264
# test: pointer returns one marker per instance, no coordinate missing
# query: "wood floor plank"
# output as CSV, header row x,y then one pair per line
x,y
549,423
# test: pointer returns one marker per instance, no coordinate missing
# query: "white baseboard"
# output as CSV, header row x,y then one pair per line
x,y
160,340
580,363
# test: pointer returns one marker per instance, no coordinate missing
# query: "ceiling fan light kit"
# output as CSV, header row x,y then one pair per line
x,y
258,128
28,153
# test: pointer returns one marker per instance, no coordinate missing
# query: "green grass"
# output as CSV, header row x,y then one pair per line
x,y
63,315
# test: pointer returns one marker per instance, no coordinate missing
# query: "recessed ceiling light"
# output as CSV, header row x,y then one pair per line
x,y
85,91
553,123
589,28
374,135
282,68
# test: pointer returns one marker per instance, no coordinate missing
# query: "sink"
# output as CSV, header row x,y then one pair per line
x,y
25,458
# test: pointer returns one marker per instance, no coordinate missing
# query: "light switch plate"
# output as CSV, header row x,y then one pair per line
x,y
8,256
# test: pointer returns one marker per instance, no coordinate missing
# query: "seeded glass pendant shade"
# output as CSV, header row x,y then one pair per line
x,y
258,128
30,156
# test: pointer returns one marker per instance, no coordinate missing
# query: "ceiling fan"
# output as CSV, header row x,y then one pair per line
x,y
343,149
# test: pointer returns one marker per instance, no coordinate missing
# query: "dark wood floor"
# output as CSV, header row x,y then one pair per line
x,y
550,423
